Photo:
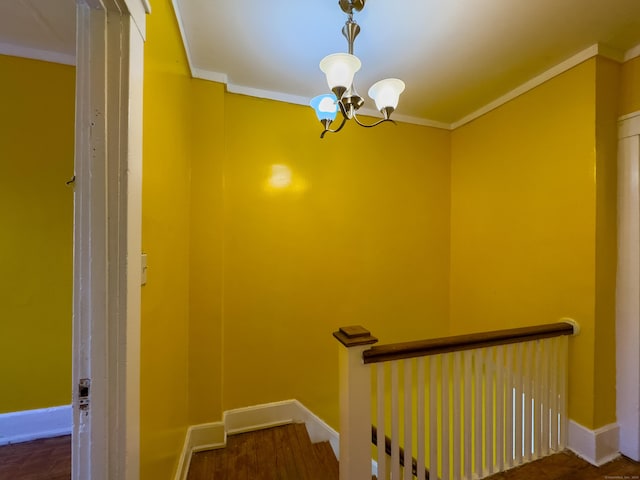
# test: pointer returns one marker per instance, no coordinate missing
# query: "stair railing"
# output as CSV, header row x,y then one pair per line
x,y
463,407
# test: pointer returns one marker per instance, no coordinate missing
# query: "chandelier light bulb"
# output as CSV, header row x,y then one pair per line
x,y
325,106
340,69
386,93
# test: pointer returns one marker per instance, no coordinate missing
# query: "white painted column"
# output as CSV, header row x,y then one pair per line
x,y
355,404
107,238
628,288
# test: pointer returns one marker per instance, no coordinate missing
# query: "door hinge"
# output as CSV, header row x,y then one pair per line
x,y
83,393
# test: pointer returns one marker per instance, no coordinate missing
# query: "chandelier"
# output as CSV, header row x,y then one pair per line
x,y
340,69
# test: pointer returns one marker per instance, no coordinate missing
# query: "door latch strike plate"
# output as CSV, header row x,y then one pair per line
x,y
83,393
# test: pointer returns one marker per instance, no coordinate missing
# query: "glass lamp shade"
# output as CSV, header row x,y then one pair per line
x,y
325,106
386,93
340,69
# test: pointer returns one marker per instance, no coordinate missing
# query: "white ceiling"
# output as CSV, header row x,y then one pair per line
x,y
41,29
456,56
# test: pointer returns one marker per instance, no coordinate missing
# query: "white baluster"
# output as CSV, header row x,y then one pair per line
x,y
445,429
518,404
537,404
509,402
562,397
528,368
382,455
488,409
420,407
408,419
468,418
553,394
544,399
457,446
395,422
478,368
500,368
433,417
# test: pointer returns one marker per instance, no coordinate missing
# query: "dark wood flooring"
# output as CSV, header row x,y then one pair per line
x,y
45,459
568,466
279,453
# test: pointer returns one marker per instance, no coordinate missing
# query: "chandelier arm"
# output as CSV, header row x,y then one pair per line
x,y
382,120
344,120
343,111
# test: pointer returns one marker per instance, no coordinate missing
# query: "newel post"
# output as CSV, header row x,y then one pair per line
x,y
355,403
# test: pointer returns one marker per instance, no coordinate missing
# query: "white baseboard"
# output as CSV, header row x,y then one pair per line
x,y
280,413
595,446
16,427
240,420
206,436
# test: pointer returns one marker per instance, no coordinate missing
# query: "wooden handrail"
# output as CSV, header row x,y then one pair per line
x,y
421,348
387,449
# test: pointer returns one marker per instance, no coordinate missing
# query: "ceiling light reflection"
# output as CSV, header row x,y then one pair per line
x,y
280,176
283,179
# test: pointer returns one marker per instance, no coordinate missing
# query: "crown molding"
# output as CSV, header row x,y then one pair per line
x,y
632,53
209,75
267,94
185,42
37,54
568,64
425,122
304,101
589,52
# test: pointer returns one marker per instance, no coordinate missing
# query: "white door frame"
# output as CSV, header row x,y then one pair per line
x,y
628,287
107,238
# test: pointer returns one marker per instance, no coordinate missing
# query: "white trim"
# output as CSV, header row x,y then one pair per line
x,y
107,241
214,435
560,68
421,121
206,436
632,53
129,331
37,54
628,286
27,425
629,125
279,413
628,116
90,430
299,100
268,94
208,75
138,10
183,34
595,446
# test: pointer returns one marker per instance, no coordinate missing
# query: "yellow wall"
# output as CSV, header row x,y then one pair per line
x,y
165,232
526,245
247,279
360,237
630,87
206,251
36,211
607,94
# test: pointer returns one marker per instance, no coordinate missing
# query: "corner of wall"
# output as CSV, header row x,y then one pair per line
x,y
595,446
